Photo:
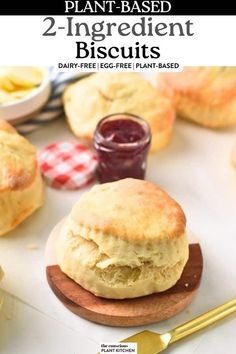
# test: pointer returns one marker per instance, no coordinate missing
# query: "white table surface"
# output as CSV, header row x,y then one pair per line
x,y
194,169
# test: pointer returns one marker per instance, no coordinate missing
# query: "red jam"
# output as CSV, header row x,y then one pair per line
x,y
122,143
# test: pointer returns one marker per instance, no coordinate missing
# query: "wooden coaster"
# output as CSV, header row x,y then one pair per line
x,y
129,312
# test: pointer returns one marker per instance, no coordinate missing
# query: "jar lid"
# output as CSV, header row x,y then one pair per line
x,y
67,165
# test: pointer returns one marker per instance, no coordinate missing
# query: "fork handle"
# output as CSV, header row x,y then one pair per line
x,y
203,321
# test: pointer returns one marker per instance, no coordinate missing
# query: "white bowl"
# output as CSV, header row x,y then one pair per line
x,y
19,111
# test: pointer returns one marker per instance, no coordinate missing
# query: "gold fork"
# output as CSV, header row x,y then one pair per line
x,y
152,343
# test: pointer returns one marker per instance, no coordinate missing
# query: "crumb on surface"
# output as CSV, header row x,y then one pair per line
x,y
186,285
7,317
32,246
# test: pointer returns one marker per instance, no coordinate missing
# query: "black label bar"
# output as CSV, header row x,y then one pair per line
x,y
117,7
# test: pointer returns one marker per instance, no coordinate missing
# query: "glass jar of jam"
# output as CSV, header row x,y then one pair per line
x,y
122,142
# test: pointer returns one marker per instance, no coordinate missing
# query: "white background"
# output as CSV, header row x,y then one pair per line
x,y
22,42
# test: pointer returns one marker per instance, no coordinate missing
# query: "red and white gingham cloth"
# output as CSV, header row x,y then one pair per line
x,y
66,165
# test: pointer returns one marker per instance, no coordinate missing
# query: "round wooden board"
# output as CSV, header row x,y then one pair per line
x,y
129,312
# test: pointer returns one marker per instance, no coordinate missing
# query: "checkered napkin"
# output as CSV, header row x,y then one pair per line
x,y
67,165
54,107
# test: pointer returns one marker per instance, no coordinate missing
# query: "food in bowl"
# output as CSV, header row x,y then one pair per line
x,y
24,91
18,82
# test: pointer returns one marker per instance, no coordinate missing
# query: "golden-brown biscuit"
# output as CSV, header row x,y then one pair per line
x,y
21,185
124,239
101,94
204,95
